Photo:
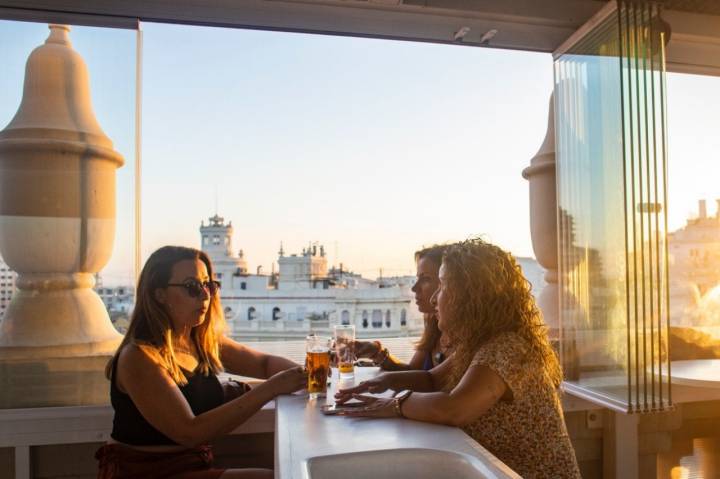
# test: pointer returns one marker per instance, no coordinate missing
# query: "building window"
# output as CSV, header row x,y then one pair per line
x,y
218,275
364,319
243,285
251,313
388,318
276,313
205,240
216,240
377,318
403,318
345,317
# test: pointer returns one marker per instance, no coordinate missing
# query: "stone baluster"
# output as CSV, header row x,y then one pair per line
x,y
543,222
57,224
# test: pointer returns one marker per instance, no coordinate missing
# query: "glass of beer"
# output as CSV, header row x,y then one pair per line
x,y
318,364
345,350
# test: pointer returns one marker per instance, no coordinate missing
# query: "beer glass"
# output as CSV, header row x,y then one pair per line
x,y
318,364
345,350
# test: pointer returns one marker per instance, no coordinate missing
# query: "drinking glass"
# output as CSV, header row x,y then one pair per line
x,y
317,349
345,350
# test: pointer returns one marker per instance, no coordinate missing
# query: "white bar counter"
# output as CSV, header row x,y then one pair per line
x,y
303,432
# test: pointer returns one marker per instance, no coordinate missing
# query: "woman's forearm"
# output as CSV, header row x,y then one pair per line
x,y
435,407
391,363
225,418
420,381
275,364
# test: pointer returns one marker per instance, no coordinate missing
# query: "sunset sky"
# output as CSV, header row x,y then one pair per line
x,y
374,148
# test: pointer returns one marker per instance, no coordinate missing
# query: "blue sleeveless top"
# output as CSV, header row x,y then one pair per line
x,y
428,363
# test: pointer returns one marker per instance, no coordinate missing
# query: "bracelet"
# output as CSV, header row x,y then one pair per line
x,y
384,353
398,407
398,402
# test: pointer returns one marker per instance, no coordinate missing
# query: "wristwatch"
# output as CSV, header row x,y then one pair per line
x,y
399,399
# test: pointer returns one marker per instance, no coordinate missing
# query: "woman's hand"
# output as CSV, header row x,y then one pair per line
x,y
288,381
372,407
378,384
366,349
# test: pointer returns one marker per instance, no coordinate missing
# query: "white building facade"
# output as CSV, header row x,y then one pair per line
x,y
305,295
119,302
695,270
8,278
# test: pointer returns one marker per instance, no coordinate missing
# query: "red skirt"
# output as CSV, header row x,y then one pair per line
x,y
122,462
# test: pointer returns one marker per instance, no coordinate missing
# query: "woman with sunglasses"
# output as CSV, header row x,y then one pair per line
x,y
501,382
164,388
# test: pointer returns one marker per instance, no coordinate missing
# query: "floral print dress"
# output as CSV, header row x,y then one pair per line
x,y
527,433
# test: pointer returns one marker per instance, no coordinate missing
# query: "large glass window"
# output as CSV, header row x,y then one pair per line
x,y
612,177
287,163
321,184
694,221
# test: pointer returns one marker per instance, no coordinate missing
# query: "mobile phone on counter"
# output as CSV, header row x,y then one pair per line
x,y
339,409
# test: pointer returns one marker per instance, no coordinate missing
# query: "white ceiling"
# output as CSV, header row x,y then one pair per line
x,y
535,25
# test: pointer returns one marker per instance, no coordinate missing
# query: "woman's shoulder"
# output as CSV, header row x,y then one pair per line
x,y
138,354
136,363
506,347
506,341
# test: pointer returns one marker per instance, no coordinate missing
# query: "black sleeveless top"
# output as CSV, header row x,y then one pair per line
x,y
203,393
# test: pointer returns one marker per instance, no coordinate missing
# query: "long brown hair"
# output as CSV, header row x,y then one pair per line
x,y
488,296
431,333
151,327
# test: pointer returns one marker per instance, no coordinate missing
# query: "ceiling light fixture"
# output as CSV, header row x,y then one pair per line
x,y
487,36
460,34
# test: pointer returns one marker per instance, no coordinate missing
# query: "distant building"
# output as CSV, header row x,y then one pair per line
x,y
119,302
533,272
305,295
694,266
8,278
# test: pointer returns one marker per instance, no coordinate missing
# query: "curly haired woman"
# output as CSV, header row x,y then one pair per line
x,y
500,384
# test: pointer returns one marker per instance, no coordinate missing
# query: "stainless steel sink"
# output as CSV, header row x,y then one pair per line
x,y
408,463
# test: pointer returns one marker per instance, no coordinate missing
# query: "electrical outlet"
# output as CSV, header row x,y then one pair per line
x,y
594,419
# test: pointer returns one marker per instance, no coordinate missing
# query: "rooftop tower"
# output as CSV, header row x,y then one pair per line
x,y
216,241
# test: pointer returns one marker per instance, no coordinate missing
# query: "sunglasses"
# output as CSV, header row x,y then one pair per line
x,y
195,288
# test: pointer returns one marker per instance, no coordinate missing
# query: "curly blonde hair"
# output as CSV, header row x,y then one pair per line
x,y
488,295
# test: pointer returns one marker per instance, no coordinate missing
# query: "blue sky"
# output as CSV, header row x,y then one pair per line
x,y
373,148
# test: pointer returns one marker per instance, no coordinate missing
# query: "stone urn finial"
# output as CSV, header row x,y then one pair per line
x,y
59,34
57,209
543,219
